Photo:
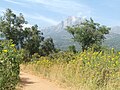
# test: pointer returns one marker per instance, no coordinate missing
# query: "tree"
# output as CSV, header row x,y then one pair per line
x,y
28,38
88,34
47,46
33,38
72,49
12,26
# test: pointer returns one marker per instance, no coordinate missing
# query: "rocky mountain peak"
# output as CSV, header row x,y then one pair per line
x,y
62,38
72,20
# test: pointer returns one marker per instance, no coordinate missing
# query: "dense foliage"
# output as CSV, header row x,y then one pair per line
x,y
12,26
87,70
10,59
33,38
28,38
72,49
47,47
82,70
88,34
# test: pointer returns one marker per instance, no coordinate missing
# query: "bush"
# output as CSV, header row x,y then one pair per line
x,y
87,70
25,55
9,65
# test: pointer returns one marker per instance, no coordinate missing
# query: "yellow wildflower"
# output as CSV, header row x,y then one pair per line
x,y
112,58
81,67
5,51
116,62
93,76
112,48
12,45
114,65
88,63
118,52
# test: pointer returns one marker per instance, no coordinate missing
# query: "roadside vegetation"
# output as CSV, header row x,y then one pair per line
x,y
10,59
93,68
86,70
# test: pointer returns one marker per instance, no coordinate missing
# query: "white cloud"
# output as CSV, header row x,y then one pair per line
x,y
43,18
64,6
16,2
35,16
27,25
1,11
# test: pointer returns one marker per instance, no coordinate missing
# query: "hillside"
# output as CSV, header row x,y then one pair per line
x,y
63,39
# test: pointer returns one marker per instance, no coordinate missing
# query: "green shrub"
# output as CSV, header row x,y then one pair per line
x,y
87,70
9,65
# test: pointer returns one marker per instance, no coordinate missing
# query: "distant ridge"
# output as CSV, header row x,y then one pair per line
x,y
62,38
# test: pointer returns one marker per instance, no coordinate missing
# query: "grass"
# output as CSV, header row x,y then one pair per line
x,y
83,71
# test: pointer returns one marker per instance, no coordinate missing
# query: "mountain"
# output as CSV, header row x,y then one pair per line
x,y
62,38
113,38
115,29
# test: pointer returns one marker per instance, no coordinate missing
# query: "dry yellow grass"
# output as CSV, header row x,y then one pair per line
x,y
84,71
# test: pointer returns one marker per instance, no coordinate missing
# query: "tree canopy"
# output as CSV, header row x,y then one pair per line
x,y
33,38
28,38
88,34
12,26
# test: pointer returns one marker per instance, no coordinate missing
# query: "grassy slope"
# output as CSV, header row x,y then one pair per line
x,y
84,71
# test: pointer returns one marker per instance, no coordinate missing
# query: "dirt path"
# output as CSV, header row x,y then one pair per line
x,y
31,82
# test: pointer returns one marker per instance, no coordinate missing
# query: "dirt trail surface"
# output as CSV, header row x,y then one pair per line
x,y
31,82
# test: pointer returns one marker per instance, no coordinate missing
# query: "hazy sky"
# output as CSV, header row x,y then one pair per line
x,y
51,12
